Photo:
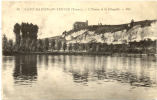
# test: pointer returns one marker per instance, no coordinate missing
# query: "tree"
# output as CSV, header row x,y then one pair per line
x,y
64,33
46,44
87,46
34,31
59,45
98,47
53,44
5,43
40,45
132,23
64,46
70,46
28,37
82,46
93,47
10,45
16,30
76,46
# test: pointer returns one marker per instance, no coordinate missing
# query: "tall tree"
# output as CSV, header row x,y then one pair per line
x,y
4,43
17,29
28,36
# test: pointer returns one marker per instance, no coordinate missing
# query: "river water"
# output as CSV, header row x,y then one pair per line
x,y
64,77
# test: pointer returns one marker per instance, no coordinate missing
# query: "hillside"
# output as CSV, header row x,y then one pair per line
x,y
115,34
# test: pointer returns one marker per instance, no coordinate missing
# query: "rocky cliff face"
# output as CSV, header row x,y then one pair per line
x,y
136,33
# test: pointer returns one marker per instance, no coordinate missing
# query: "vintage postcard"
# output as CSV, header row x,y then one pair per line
x,y
84,50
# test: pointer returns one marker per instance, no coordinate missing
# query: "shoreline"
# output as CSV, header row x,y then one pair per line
x,y
79,53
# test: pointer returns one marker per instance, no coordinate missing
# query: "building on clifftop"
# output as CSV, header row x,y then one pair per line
x,y
78,25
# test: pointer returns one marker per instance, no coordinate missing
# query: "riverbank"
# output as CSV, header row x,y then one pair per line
x,y
79,53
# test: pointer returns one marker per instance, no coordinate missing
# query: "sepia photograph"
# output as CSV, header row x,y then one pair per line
x,y
83,50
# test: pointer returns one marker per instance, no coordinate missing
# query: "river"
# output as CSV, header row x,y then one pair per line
x,y
58,77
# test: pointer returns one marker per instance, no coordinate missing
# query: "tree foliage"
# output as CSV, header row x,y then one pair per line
x,y
26,36
64,46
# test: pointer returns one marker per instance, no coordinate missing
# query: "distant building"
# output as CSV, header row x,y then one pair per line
x,y
78,25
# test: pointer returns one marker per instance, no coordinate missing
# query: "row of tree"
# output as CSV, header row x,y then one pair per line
x,y
41,45
7,44
45,45
26,36
143,46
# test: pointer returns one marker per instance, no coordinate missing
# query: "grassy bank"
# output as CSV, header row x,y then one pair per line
x,y
79,53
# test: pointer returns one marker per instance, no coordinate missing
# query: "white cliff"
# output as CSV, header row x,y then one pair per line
x,y
136,33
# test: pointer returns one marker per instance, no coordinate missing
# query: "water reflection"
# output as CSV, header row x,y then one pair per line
x,y
133,71
77,77
123,77
139,72
25,71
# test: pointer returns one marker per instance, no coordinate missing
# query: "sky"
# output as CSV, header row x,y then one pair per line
x,y
55,17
